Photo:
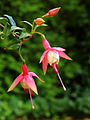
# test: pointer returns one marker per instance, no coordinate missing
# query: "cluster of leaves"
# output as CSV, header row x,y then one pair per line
x,y
11,34
70,30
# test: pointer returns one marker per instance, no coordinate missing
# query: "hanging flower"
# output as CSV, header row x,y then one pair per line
x,y
27,82
52,12
52,56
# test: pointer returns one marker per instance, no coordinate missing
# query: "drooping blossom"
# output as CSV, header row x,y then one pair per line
x,y
52,55
27,82
39,21
52,12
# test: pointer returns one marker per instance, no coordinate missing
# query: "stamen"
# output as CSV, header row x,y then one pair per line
x,y
61,82
31,99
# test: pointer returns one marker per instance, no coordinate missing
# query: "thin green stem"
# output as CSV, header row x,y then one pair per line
x,y
1,25
42,35
32,27
23,60
36,26
15,34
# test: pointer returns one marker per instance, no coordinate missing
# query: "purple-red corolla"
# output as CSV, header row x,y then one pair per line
x,y
27,82
52,56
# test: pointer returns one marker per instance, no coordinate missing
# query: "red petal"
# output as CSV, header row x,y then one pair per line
x,y
63,55
31,84
43,55
26,91
55,68
45,64
16,81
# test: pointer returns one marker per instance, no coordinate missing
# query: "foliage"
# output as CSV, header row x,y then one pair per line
x,y
70,29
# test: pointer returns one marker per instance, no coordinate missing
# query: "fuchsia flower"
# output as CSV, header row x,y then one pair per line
x,y
52,12
52,56
27,82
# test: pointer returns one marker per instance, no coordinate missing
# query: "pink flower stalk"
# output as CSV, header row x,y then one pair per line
x,y
27,82
39,21
52,55
52,12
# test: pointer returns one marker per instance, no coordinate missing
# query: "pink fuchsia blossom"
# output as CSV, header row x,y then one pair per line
x,y
52,12
27,82
39,21
52,56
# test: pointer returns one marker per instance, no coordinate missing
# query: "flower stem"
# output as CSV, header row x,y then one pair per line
x,y
1,25
42,35
23,60
32,27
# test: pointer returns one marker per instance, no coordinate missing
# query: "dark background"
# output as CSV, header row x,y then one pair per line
x,y
69,29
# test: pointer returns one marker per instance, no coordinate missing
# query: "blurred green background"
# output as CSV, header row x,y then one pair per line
x,y
68,29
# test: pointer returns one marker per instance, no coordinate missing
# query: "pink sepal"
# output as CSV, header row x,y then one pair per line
x,y
64,55
16,81
45,43
31,84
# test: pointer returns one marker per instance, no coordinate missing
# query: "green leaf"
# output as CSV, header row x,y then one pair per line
x,y
43,25
27,23
24,34
14,46
11,20
6,31
16,28
1,33
3,20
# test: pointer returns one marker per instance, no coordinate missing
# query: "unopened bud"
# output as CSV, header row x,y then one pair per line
x,y
52,12
39,21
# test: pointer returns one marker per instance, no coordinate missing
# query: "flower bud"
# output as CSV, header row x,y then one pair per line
x,y
39,21
53,57
52,12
